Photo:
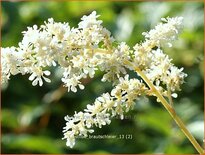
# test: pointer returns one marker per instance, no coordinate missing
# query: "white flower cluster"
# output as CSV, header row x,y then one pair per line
x,y
165,33
119,101
150,58
79,51
158,68
89,47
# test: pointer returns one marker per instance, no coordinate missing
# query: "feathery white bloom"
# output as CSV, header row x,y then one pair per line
x,y
165,33
91,20
59,30
83,50
30,36
56,43
104,108
9,63
175,77
113,63
161,70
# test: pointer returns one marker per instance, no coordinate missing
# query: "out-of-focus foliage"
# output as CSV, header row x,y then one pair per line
x,y
32,118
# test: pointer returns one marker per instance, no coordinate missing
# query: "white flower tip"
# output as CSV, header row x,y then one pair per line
x,y
174,95
94,13
164,19
35,82
121,117
47,73
81,86
40,83
31,77
70,144
47,79
91,131
50,20
73,89
35,27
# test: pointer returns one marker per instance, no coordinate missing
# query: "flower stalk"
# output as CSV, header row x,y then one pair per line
x,y
171,111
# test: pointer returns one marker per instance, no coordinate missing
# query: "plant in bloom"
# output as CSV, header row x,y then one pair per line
x,y
83,50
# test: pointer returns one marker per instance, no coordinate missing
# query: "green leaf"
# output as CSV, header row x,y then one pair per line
x,y
31,144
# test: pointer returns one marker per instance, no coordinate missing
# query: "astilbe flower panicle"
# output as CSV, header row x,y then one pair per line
x,y
81,51
120,100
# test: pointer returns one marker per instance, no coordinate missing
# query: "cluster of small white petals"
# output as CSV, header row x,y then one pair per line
x,y
37,76
89,47
155,64
10,61
165,33
120,100
76,50
161,70
112,63
56,43
88,21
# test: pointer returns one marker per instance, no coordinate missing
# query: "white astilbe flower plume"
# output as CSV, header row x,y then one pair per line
x,y
83,50
165,33
119,101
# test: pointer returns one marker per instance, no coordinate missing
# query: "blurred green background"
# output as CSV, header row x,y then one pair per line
x,y
32,118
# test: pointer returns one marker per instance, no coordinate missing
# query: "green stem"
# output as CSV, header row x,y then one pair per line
x,y
169,96
167,106
171,111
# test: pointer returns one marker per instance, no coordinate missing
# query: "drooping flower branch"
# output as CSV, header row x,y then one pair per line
x,y
89,47
119,101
